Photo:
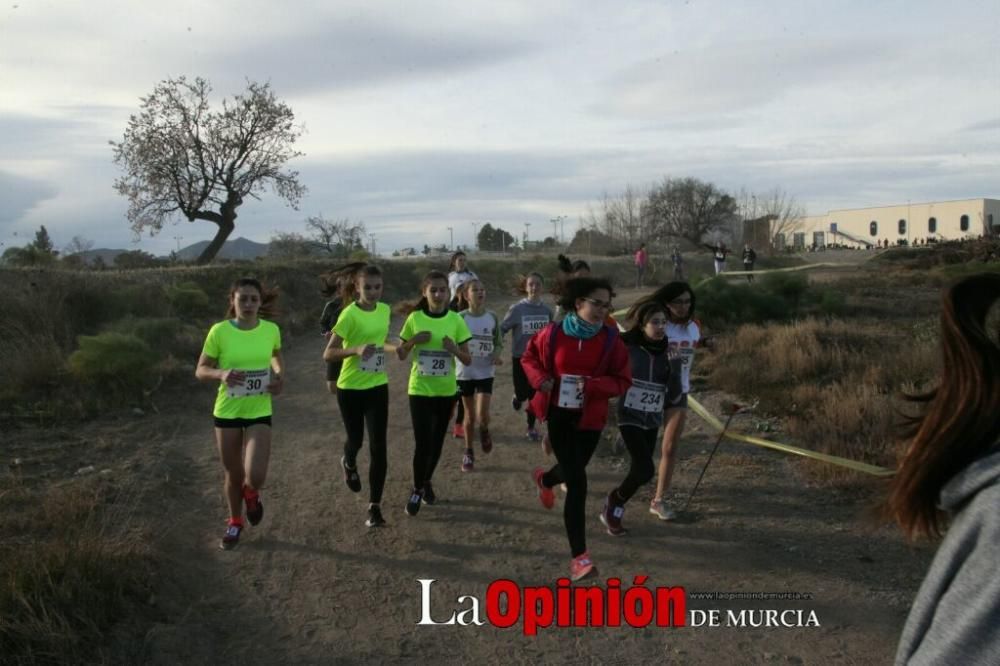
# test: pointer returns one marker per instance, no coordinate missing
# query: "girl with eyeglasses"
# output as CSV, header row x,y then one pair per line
x,y
684,335
576,367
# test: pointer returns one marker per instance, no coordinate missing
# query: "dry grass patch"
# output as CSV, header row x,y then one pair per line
x,y
73,565
835,382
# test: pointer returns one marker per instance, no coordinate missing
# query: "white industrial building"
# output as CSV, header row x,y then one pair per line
x,y
909,223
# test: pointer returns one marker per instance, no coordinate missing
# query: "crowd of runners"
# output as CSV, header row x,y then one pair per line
x,y
568,364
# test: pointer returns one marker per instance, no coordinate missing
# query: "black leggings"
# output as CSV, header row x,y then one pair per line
x,y
573,449
522,388
641,443
431,417
360,408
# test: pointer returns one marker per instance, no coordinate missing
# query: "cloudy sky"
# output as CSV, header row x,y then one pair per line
x,y
423,115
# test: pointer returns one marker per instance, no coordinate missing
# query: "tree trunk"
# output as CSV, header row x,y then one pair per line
x,y
226,219
226,226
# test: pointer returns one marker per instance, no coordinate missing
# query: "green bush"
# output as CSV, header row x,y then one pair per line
x,y
188,300
116,360
832,302
790,287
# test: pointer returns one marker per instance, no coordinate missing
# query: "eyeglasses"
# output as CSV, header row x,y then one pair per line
x,y
598,304
680,301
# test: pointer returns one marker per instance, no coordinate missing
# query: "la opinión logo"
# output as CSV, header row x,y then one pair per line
x,y
508,604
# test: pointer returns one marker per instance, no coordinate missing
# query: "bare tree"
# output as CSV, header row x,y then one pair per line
x,y
180,156
618,216
337,237
689,208
78,245
767,214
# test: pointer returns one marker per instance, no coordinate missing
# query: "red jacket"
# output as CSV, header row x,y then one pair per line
x,y
614,379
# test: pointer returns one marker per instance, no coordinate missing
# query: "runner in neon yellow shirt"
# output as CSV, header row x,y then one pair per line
x,y
437,336
362,389
243,355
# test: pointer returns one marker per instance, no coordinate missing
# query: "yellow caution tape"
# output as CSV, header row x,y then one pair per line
x,y
874,470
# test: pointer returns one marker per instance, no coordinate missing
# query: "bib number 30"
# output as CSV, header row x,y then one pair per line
x,y
255,382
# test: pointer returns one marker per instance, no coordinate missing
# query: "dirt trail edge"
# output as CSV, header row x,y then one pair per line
x,y
313,585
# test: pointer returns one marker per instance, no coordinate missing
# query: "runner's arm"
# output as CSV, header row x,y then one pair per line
x,y
277,372
335,350
532,363
208,370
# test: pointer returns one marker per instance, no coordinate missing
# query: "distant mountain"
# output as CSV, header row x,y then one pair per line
x,y
239,248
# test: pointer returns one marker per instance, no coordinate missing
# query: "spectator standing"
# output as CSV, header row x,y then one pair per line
x,y
749,257
641,260
678,261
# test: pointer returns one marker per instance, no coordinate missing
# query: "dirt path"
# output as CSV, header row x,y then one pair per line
x,y
313,585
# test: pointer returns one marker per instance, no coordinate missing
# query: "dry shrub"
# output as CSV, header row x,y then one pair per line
x,y
835,381
73,564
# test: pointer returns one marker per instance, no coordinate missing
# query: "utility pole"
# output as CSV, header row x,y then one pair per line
x,y
371,237
452,233
527,225
178,239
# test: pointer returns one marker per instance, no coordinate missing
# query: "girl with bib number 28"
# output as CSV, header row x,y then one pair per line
x,y
363,387
436,336
576,366
243,355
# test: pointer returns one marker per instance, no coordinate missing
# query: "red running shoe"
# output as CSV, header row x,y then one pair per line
x,y
255,508
581,567
545,495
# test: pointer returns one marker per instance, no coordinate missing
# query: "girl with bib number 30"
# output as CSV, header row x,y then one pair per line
x,y
436,336
243,355
576,366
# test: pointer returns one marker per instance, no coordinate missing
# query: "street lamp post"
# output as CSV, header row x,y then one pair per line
x,y
559,234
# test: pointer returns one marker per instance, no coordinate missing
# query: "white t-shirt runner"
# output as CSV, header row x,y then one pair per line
x,y
481,347
682,339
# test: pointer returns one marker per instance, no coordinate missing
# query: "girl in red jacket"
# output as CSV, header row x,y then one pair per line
x,y
576,366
